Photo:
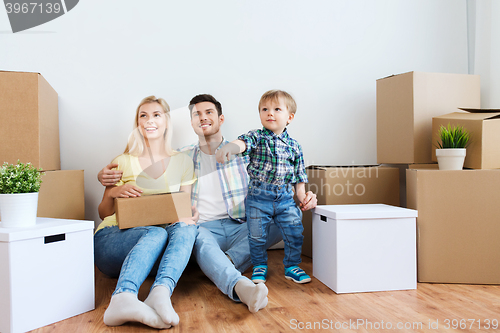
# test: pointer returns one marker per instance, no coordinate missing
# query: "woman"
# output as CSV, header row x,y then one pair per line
x,y
149,166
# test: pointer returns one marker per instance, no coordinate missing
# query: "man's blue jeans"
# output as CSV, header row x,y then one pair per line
x,y
264,203
131,254
219,238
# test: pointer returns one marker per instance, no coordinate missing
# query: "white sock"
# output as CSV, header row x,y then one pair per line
x,y
159,300
125,307
253,295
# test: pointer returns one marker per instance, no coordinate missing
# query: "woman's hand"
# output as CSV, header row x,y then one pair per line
x,y
193,219
108,177
125,191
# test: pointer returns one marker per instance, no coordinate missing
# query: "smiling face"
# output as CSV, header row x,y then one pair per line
x,y
274,115
205,119
151,121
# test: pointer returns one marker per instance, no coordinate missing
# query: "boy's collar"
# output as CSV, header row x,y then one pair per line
x,y
283,134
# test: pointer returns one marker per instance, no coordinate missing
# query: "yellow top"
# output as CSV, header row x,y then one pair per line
x,y
179,172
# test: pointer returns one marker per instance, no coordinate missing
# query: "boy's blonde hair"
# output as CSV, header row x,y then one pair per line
x,y
136,143
275,95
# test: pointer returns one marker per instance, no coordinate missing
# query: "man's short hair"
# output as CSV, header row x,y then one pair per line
x,y
205,98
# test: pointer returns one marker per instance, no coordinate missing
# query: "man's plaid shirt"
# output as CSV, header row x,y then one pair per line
x,y
233,180
274,159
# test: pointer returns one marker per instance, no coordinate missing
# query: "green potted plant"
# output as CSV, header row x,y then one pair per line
x,y
451,149
19,187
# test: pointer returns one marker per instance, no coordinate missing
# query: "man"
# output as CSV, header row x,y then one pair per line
x,y
221,248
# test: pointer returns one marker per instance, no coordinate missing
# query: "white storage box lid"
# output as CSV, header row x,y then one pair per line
x,y
366,211
44,227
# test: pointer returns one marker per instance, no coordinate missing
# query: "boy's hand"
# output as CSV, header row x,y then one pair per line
x,y
108,177
309,202
232,148
223,154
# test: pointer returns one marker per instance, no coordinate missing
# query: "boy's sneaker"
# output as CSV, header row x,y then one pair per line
x,y
259,274
296,274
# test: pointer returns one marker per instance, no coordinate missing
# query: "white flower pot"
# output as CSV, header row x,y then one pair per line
x,y
451,158
18,210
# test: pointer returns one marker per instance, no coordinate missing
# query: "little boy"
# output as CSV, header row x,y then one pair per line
x,y
276,162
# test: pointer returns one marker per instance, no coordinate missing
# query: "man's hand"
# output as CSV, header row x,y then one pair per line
x,y
108,177
309,202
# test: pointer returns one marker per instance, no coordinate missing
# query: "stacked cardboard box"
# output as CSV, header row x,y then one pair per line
x,y
456,224
349,185
29,121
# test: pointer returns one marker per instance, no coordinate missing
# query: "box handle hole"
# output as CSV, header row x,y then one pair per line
x,y
323,218
55,238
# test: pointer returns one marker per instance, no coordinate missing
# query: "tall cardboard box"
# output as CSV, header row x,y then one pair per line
x,y
349,185
406,104
29,120
483,152
62,195
458,226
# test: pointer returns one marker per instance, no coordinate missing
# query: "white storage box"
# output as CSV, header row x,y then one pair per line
x,y
361,248
47,273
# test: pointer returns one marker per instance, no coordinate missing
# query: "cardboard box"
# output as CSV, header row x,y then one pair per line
x,y
62,195
29,103
458,225
47,273
152,209
406,104
483,151
361,248
349,185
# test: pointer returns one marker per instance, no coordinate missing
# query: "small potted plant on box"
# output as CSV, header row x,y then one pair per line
x,y
452,147
19,186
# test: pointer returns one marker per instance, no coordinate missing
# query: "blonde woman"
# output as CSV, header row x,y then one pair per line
x,y
148,166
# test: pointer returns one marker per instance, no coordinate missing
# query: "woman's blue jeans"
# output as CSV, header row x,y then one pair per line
x,y
131,254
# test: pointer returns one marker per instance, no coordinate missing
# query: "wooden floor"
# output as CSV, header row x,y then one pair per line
x,y
311,307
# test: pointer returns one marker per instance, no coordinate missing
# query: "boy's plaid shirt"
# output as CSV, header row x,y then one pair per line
x,y
233,180
274,159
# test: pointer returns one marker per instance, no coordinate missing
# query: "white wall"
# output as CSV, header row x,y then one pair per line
x,y
486,49
103,57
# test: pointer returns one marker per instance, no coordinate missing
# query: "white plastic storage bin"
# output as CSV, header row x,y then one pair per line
x,y
362,248
46,274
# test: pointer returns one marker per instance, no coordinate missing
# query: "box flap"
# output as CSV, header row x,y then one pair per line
x,y
325,167
368,211
470,116
392,75
473,110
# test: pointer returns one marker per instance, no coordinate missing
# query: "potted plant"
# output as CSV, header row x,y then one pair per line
x,y
452,147
19,186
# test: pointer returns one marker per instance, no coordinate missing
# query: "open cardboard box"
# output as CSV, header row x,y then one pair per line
x,y
152,209
483,125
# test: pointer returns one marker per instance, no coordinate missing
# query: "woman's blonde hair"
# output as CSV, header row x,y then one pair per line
x,y
136,143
